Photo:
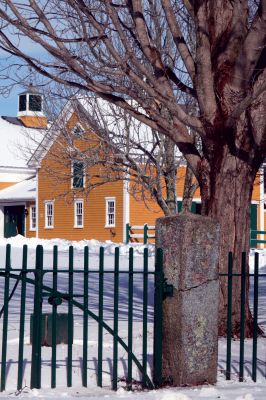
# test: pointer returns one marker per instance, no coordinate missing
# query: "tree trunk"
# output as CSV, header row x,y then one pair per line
x,y
189,190
229,203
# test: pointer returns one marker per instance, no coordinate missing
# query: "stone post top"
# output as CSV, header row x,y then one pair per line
x,y
186,217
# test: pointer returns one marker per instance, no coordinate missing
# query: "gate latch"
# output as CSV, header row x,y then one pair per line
x,y
55,300
168,290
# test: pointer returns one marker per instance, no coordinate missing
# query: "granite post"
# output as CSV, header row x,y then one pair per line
x,y
190,318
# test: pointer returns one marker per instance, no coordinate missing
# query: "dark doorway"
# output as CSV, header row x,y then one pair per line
x,y
14,221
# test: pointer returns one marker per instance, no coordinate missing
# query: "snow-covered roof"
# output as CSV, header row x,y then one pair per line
x,y
17,143
22,191
101,115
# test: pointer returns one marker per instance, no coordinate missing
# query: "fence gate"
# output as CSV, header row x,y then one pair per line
x,y
80,306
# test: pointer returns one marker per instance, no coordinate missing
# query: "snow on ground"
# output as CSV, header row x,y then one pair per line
x,y
109,247
247,390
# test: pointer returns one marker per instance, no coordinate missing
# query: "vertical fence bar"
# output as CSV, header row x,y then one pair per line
x,y
37,322
255,318
127,233
130,316
242,317
100,326
5,318
145,316
70,317
22,316
116,298
145,234
54,317
158,316
229,316
85,317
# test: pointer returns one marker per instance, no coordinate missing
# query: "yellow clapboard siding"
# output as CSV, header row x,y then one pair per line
x,y
94,214
34,121
256,188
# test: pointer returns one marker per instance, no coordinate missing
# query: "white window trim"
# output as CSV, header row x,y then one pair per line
x,y
31,227
75,214
28,112
107,199
45,214
72,175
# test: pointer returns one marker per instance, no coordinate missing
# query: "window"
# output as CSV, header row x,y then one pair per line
x,y
49,214
78,211
77,174
78,130
35,102
110,211
33,218
22,102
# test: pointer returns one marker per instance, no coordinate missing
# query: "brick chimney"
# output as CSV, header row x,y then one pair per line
x,y
30,109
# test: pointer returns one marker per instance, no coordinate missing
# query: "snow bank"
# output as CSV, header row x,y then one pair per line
x,y
63,245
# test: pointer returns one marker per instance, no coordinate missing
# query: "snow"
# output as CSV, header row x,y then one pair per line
x,y
233,390
24,190
16,143
94,245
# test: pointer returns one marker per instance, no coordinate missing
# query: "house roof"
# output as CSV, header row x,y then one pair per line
x,y
13,120
17,142
99,114
22,191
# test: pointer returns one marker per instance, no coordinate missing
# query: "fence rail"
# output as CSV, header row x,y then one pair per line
x,y
77,297
145,235
254,240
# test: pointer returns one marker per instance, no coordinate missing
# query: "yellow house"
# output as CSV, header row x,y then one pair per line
x,y
55,202
64,208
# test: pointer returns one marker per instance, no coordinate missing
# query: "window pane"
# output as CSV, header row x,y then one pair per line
x,y
35,102
78,130
33,217
22,102
49,214
79,213
110,211
78,172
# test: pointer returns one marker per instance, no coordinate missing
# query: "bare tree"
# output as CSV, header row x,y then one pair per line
x,y
111,145
218,60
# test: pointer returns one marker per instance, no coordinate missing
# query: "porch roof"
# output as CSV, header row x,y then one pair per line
x,y
21,191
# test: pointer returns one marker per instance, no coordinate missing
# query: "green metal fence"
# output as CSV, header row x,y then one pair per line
x,y
251,279
254,241
145,232
23,278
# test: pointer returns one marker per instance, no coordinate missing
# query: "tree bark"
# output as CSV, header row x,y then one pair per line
x,y
189,190
231,190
